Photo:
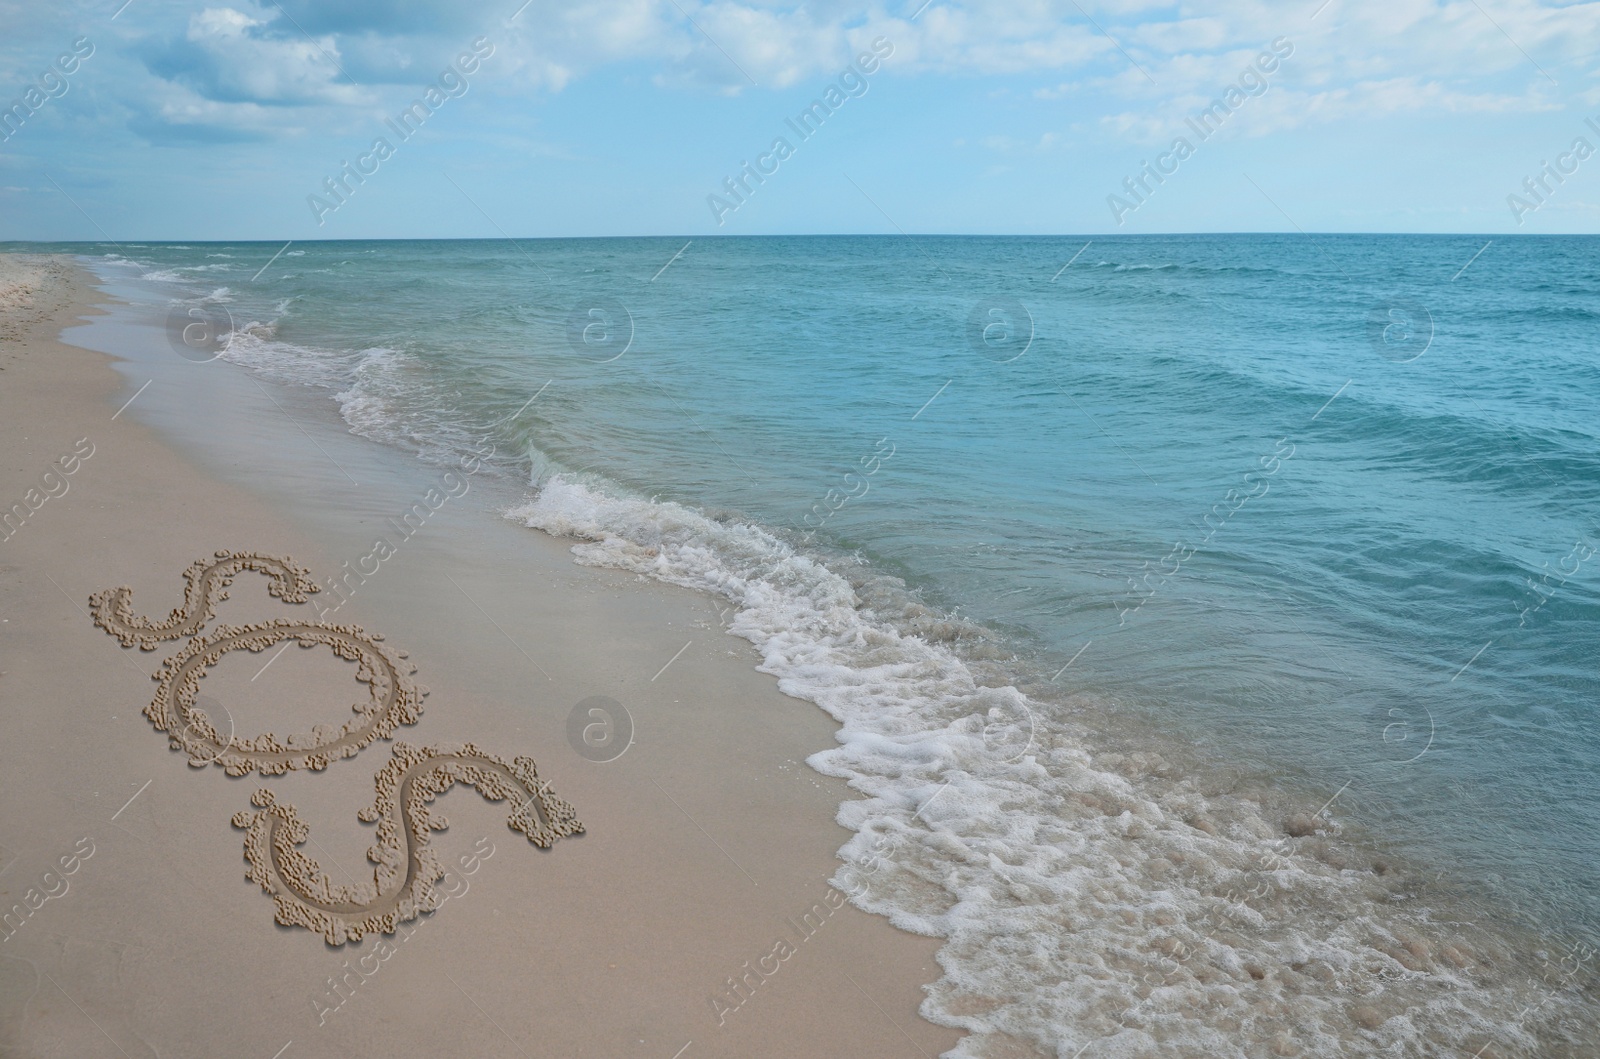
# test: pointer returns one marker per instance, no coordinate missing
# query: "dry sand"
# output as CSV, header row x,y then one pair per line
x,y
133,929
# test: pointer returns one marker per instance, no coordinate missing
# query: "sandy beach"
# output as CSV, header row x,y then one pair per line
x,y
691,917
563,766
732,528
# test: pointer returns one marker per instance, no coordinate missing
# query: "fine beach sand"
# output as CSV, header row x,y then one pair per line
x,y
140,935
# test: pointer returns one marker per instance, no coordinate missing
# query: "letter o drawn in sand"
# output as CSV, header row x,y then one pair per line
x,y
207,707
406,868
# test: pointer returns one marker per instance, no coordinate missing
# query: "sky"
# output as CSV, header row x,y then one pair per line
x,y
152,119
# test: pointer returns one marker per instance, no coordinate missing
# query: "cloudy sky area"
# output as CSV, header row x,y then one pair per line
x,y
618,117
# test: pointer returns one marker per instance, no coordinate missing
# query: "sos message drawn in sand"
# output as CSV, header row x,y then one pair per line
x,y
402,886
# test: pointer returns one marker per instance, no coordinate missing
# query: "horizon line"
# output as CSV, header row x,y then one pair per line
x,y
803,235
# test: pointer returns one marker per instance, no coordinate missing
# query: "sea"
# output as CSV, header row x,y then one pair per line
x,y
1209,619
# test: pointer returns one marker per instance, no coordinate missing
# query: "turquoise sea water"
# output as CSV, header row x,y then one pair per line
x,y
1318,507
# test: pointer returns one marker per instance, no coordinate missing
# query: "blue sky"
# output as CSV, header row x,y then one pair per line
x,y
623,117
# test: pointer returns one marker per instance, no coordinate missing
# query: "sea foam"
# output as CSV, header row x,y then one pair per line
x,y
1084,897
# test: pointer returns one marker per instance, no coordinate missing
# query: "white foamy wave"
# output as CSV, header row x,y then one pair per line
x,y
389,398
115,259
257,329
254,345
382,393
372,404
1084,898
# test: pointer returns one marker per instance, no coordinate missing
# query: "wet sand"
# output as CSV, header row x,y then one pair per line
x,y
133,929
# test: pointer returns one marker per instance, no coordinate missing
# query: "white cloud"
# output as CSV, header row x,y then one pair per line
x,y
1358,56
184,108
1183,34
229,56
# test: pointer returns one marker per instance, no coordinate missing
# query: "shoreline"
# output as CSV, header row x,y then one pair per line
x,y
1172,818
610,943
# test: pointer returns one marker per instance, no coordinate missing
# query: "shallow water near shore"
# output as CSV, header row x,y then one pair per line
x,y
1111,579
